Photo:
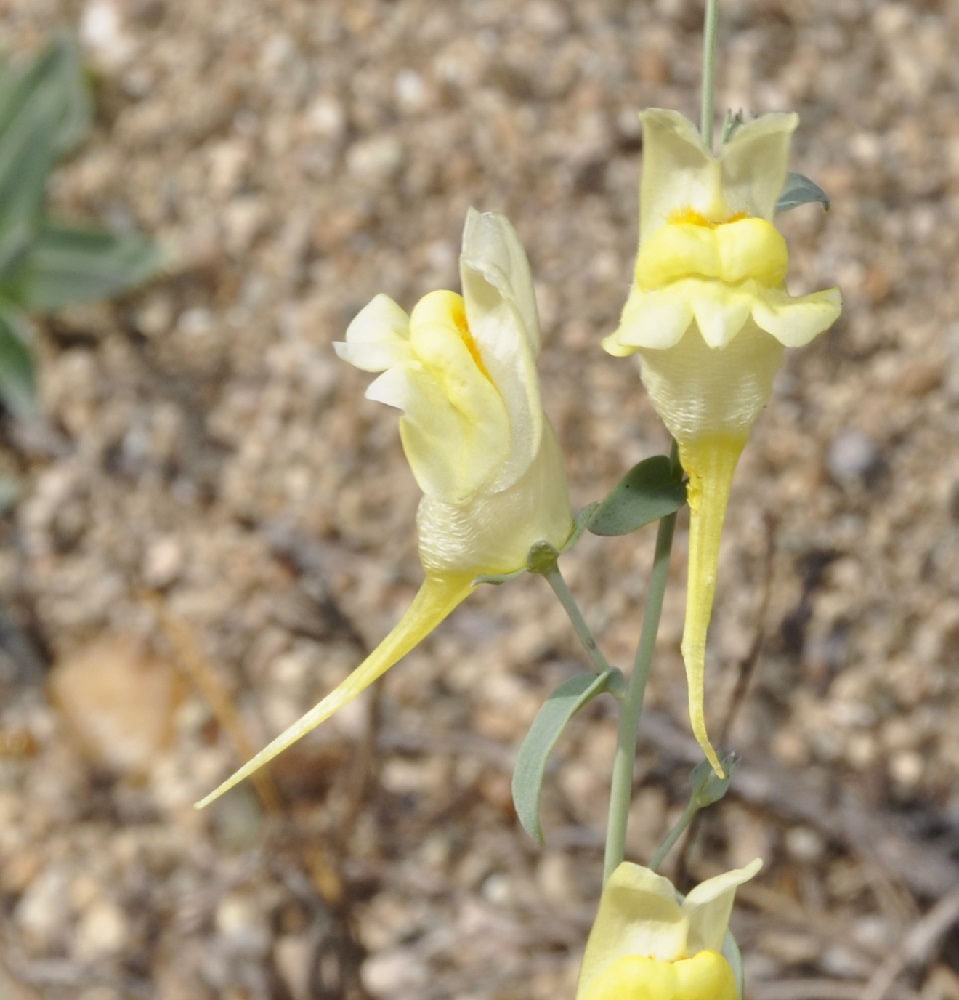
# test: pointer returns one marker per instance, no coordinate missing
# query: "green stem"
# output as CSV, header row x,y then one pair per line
x,y
677,831
555,579
621,790
710,26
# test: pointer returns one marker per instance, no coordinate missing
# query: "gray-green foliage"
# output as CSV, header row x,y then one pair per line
x,y
571,696
46,263
800,190
651,490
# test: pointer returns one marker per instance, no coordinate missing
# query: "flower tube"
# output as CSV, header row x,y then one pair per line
x,y
710,317
462,370
649,944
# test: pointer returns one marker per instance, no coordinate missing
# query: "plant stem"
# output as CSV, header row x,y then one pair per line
x,y
710,25
667,845
555,579
621,790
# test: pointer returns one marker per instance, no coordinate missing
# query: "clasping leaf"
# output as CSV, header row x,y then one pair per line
x,y
650,490
800,190
550,721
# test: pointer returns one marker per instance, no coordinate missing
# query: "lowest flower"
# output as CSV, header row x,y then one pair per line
x,y
650,944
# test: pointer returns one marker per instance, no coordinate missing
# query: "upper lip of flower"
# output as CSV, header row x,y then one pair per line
x,y
679,172
640,913
708,250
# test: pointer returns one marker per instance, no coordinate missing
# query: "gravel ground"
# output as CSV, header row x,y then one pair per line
x,y
213,524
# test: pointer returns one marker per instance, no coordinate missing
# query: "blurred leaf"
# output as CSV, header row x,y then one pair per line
x,y
69,263
649,491
56,75
551,719
707,786
800,190
17,386
10,491
26,156
14,243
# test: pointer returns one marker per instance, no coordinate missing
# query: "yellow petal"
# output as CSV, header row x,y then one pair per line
x,y
437,597
732,252
674,252
502,316
492,532
455,429
710,463
492,252
678,172
635,977
751,249
710,904
705,976
721,311
378,337
795,321
656,320
638,915
755,163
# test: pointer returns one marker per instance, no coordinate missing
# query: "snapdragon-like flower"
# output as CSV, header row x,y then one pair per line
x,y
650,944
462,369
710,316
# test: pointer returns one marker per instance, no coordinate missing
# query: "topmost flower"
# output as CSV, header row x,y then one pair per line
x,y
710,316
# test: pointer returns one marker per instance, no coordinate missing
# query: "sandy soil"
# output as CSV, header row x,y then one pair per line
x,y
214,524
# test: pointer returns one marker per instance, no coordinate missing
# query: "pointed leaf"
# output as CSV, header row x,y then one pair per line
x,y
649,491
55,75
800,190
68,263
17,386
551,719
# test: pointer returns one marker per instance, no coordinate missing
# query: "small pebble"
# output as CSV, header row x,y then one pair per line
x,y
852,458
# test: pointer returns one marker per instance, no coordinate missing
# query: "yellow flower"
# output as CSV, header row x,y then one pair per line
x,y
710,316
648,944
462,369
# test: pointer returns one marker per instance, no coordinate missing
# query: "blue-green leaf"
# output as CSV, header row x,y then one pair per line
x,y
17,386
649,491
69,263
559,708
800,190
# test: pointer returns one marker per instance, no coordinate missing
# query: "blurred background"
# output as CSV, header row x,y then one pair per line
x,y
207,524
